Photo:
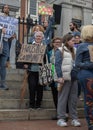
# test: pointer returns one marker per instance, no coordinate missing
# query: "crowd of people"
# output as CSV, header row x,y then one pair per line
x,y
64,53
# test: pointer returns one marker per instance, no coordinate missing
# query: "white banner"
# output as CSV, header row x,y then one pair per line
x,y
10,23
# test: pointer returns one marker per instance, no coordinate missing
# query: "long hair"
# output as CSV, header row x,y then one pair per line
x,y
65,39
3,9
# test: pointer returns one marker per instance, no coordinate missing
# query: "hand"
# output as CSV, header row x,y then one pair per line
x,y
60,80
3,30
25,66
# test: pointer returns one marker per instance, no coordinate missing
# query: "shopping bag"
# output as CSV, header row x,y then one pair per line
x,y
45,74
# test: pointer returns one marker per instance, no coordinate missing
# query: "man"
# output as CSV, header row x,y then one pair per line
x,y
74,28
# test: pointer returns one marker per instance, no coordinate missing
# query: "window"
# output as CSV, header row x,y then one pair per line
x,y
33,7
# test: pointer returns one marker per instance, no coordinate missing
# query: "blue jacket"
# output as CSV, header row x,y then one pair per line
x,y
83,57
58,63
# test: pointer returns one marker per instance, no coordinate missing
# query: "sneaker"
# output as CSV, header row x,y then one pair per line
x,y
4,87
61,122
76,123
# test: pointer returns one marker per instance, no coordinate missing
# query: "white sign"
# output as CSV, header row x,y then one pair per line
x,y
10,23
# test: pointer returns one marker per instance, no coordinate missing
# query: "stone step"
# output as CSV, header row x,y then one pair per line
x,y
15,103
15,74
14,84
15,71
14,77
15,94
28,114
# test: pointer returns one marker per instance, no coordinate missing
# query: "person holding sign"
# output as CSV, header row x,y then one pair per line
x,y
84,61
10,24
35,89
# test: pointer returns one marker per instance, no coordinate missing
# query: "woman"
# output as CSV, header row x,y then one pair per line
x,y
56,43
64,61
35,89
85,75
35,28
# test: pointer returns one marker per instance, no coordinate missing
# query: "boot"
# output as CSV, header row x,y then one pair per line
x,y
3,85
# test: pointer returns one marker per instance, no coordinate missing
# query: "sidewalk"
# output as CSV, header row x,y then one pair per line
x,y
39,125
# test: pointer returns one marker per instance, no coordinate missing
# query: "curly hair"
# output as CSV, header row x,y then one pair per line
x,y
40,27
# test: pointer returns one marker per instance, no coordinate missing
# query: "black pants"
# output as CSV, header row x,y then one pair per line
x,y
54,93
35,89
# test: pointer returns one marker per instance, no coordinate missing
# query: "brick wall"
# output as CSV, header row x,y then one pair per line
x,y
22,14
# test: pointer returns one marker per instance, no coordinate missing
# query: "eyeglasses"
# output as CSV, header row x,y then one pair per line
x,y
56,42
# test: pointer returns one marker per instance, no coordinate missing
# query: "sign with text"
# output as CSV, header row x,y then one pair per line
x,y
31,53
91,52
10,23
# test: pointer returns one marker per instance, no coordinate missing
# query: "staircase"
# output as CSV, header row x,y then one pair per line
x,y
10,108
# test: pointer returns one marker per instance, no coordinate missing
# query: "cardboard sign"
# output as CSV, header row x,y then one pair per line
x,y
91,52
45,74
32,53
10,23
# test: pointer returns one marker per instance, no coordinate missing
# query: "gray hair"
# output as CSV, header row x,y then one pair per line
x,y
39,33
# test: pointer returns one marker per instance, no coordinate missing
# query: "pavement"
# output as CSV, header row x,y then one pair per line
x,y
39,125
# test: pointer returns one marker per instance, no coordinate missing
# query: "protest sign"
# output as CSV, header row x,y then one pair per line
x,y
31,53
10,23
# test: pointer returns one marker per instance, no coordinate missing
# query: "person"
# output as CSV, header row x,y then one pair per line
x,y
77,40
35,28
76,45
3,59
56,42
5,11
48,31
29,23
85,75
35,89
67,89
74,28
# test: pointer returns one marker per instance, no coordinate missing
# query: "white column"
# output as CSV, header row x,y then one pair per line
x,y
87,16
66,17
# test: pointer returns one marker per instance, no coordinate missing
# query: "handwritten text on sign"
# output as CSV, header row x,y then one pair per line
x,y
10,23
32,53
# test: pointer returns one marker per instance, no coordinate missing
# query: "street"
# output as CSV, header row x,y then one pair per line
x,y
39,125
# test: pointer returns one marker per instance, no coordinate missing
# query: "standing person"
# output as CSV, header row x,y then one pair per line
x,y
35,89
3,59
48,31
74,28
85,75
67,94
76,45
56,43
35,29
5,11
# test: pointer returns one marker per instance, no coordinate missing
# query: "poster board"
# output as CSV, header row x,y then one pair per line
x,y
31,53
10,24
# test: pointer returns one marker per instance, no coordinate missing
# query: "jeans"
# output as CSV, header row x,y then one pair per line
x,y
86,80
3,60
